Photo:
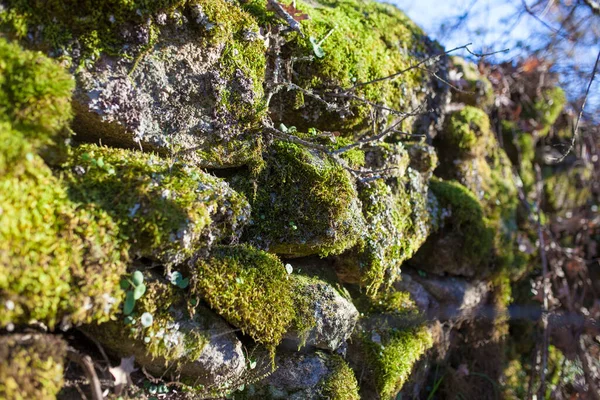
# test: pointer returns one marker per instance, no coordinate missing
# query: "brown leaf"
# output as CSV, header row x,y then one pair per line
x,y
295,13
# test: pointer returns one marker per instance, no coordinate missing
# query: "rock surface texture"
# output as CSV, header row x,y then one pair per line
x,y
248,199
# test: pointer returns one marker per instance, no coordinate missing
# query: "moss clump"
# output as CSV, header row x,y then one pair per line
x,y
341,383
31,366
164,210
466,134
476,89
368,40
58,260
391,355
159,331
303,202
546,109
35,97
249,288
464,227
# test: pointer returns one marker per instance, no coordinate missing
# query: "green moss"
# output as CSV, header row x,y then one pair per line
x,y
35,97
341,383
546,109
58,260
476,89
239,54
164,210
466,133
392,356
249,288
174,337
464,226
31,366
369,40
303,202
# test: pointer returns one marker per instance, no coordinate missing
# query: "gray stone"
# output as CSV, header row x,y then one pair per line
x,y
170,99
330,316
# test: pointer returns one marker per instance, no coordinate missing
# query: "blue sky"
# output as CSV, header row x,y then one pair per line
x,y
486,28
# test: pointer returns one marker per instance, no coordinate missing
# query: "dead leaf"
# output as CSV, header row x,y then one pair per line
x,y
122,374
295,13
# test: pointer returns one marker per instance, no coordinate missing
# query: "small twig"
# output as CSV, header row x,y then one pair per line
x,y
295,139
426,60
372,139
86,363
372,104
585,98
545,289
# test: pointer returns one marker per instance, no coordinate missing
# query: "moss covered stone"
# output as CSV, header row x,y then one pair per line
x,y
361,41
400,213
35,97
341,384
303,202
169,332
385,357
566,188
466,134
165,210
249,288
31,366
464,227
475,89
305,375
324,317
59,261
470,154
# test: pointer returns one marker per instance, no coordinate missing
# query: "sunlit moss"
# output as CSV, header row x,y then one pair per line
x,y
249,288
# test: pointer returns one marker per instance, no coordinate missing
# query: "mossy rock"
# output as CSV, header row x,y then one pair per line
x,y
249,288
325,318
466,134
171,76
365,40
303,202
470,154
463,226
475,89
59,261
317,375
31,366
169,333
384,357
400,214
35,97
165,210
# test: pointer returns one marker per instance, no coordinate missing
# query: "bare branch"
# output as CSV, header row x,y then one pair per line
x,y
585,98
